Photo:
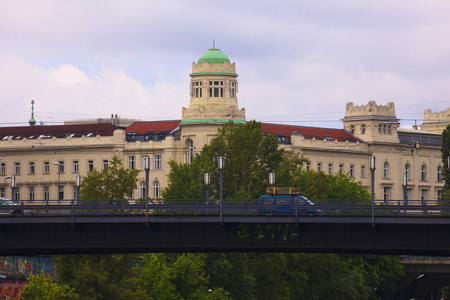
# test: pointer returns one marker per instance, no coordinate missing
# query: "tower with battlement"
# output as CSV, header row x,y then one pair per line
x,y
372,122
435,121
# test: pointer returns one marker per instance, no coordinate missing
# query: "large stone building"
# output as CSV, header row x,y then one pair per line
x,y
43,158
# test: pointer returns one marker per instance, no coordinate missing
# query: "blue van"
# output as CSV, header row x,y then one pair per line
x,y
285,204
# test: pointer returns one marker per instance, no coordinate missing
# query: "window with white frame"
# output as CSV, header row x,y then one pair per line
x,y
363,128
105,164
61,193
3,169
132,162
308,166
439,174
31,190
142,189
17,194
75,166
17,168
423,173
2,192
32,168
341,168
46,193
90,165
156,189
407,171
158,162
423,196
190,153
386,170
386,194
352,170
363,171
61,166
319,167
330,168
46,167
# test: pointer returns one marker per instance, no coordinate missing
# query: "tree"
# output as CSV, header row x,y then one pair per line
x,y
41,287
181,277
101,276
250,156
445,150
113,182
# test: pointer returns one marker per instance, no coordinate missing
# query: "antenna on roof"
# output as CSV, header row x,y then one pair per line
x,y
214,44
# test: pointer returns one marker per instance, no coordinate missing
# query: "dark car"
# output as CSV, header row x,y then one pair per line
x,y
13,208
285,204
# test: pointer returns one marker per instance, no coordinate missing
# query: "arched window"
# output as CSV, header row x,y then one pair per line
x,y
190,153
156,189
439,174
407,171
142,189
386,170
423,174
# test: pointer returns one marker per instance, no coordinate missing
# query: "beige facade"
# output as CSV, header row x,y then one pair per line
x,y
435,121
368,129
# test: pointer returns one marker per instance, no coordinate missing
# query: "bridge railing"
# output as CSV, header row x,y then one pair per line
x,y
322,207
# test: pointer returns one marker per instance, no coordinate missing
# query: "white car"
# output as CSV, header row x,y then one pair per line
x,y
15,210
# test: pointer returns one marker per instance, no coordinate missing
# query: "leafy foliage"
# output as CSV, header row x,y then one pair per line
x,y
41,287
445,150
113,182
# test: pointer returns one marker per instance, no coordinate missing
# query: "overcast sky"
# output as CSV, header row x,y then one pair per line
x,y
299,62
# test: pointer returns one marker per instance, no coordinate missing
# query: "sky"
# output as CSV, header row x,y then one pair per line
x,y
299,62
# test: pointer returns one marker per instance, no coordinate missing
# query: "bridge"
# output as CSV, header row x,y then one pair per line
x,y
115,226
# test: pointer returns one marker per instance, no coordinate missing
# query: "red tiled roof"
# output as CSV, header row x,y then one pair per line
x,y
142,127
310,132
59,131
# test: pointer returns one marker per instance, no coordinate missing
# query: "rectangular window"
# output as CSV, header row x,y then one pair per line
x,y
2,192
131,162
330,168
216,92
61,193
352,129
319,167
90,165
61,166
158,162
438,195
105,164
17,194
75,166
17,168
308,166
386,192
31,193
352,170
46,193
3,169
341,168
408,195
46,167
423,196
363,128
31,167
363,171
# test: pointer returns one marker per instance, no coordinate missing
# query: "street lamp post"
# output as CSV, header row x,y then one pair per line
x,y
372,171
405,184
13,188
221,162
59,180
207,182
4,184
78,184
271,179
147,171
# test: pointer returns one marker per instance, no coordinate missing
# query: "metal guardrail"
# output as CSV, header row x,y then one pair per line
x,y
244,207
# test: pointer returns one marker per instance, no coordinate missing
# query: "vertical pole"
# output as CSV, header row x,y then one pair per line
x,y
372,171
78,183
13,187
147,173
221,161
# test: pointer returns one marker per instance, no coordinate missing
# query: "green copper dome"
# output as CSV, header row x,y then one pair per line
x,y
213,56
